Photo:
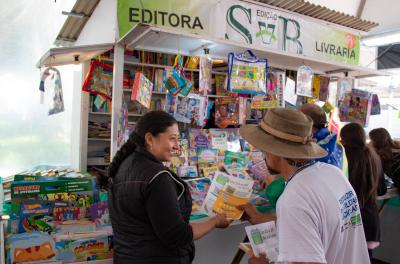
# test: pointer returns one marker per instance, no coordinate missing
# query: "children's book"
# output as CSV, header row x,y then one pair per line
x,y
219,139
142,90
236,192
356,107
229,111
190,109
220,85
274,95
198,190
344,85
225,194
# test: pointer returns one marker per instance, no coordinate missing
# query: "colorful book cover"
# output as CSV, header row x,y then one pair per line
x,y
210,171
220,88
170,104
142,90
236,157
376,106
227,111
198,190
190,109
188,172
344,85
304,81
219,140
356,107
324,88
274,96
316,86
234,193
233,140
207,155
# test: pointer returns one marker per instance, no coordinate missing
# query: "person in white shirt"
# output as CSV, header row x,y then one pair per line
x,y
318,216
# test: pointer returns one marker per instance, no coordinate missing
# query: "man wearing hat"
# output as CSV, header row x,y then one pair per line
x,y
323,136
318,216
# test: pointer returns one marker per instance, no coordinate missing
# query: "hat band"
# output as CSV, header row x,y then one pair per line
x,y
283,135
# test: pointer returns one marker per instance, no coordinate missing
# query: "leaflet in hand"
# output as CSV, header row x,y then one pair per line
x,y
226,193
263,239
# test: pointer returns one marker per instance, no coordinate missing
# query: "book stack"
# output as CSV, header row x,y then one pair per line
x,y
57,218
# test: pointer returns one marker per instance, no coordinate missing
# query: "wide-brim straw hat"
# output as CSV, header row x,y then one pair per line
x,y
285,133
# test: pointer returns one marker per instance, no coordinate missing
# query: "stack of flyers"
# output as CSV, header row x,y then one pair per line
x,y
226,194
263,239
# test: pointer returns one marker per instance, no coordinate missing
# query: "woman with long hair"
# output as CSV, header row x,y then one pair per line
x,y
150,205
389,152
366,177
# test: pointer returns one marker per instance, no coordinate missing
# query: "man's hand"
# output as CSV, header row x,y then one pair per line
x,y
253,216
221,221
260,260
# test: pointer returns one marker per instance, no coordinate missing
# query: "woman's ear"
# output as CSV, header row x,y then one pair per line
x,y
148,140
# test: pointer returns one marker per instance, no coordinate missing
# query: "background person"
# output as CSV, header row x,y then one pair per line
x,y
324,137
366,177
389,152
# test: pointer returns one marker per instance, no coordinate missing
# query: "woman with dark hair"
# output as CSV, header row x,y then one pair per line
x,y
366,177
150,205
389,152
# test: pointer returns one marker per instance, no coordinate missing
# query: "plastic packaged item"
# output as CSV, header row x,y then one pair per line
x,y
304,81
247,73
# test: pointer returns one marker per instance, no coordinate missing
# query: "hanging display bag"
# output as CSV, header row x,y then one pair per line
x,y
53,76
177,83
376,105
99,79
304,81
247,73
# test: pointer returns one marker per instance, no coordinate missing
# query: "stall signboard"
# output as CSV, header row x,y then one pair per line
x,y
251,24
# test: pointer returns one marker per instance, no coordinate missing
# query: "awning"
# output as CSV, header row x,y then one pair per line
x,y
321,12
152,38
77,18
71,55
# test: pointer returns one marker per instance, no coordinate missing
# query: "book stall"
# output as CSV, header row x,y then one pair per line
x,y
212,79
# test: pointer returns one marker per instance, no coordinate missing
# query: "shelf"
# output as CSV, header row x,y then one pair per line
x,y
100,113
157,93
99,139
135,114
132,63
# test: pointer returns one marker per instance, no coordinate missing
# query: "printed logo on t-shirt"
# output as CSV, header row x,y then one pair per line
x,y
350,212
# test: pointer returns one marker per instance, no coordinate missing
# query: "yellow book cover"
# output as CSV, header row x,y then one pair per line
x,y
228,202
